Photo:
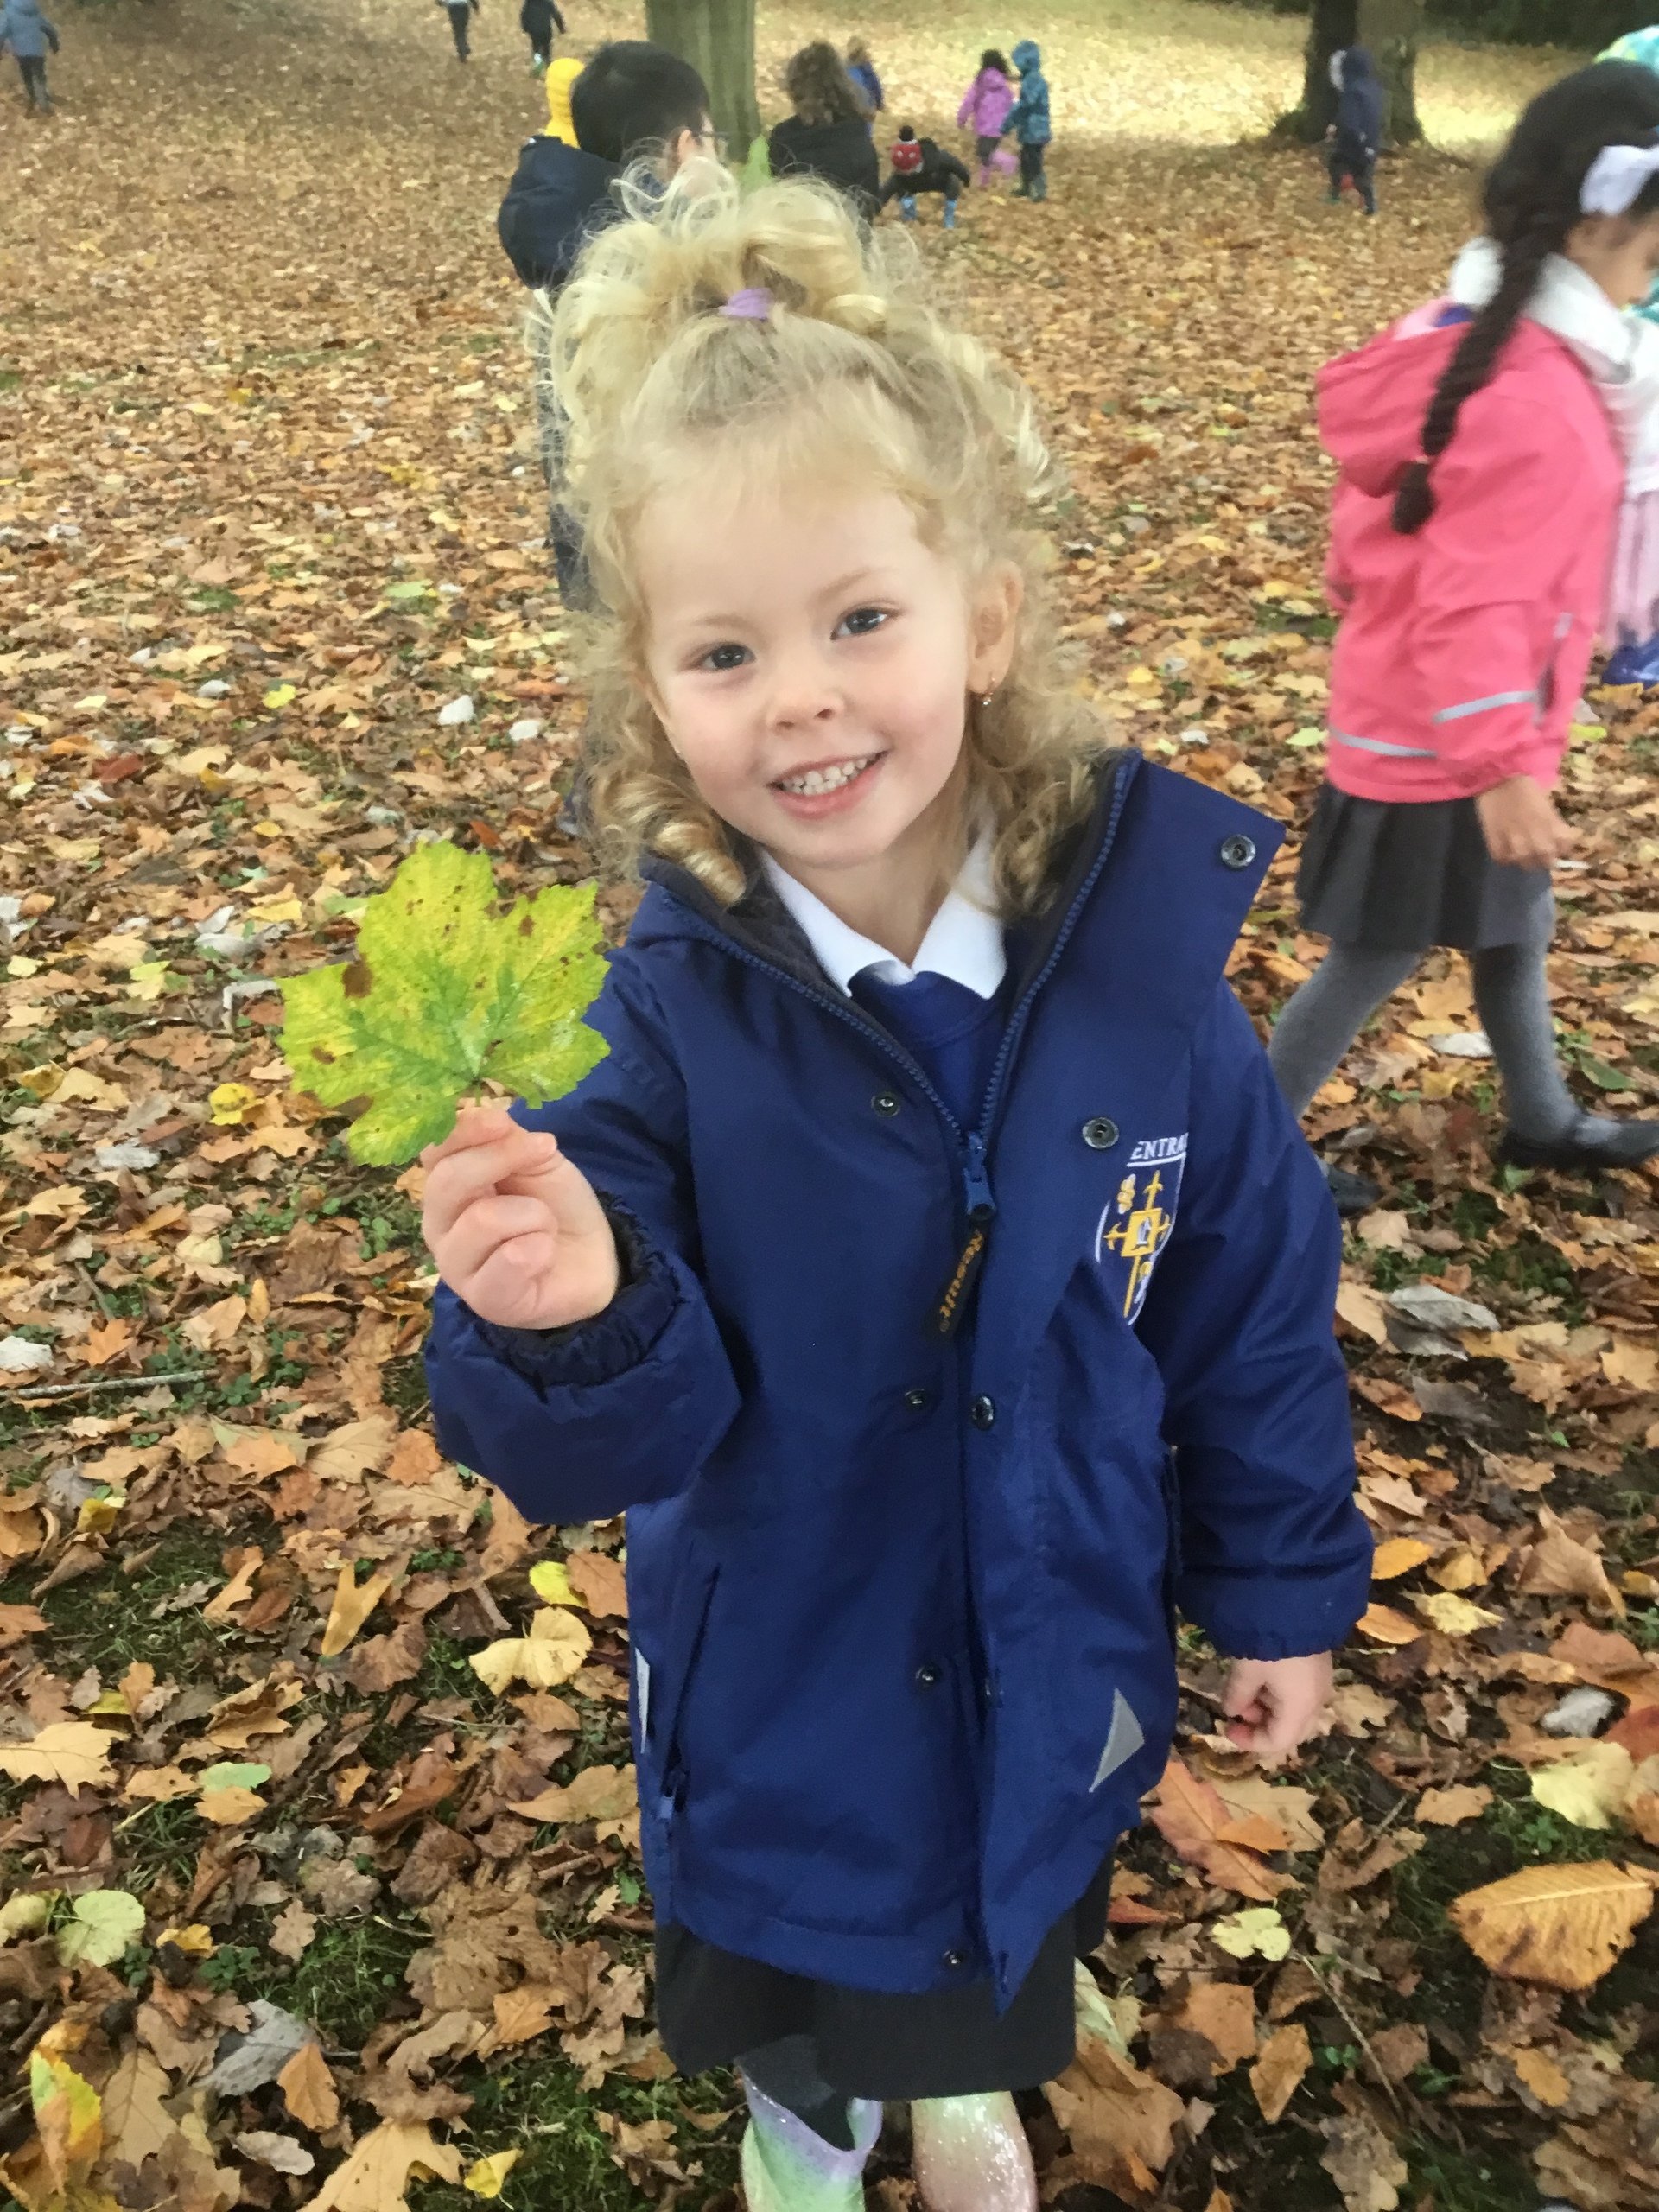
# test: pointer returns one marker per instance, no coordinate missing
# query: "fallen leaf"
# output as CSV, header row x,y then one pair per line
x,y
104,1923
1278,2073
377,2176
556,1646
309,2090
1259,1931
1590,1787
1450,1808
1561,1925
353,1602
1363,2163
74,1752
484,2176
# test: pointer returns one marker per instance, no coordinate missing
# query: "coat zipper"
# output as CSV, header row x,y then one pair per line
x,y
979,1200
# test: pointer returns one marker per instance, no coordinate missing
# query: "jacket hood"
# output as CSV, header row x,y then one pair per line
x,y
558,198
1026,56
1357,67
1372,404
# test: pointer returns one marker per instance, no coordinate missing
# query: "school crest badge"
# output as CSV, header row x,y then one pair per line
x,y
1137,1220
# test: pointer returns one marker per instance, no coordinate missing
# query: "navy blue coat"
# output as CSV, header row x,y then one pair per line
x,y
902,1602
558,198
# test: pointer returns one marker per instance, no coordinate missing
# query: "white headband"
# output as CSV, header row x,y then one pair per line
x,y
1617,176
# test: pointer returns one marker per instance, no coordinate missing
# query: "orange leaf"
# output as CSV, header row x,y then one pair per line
x,y
1191,1814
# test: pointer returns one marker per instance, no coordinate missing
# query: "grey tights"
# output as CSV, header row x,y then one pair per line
x,y
1511,993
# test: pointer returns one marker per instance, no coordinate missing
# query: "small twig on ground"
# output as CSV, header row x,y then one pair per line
x,y
1331,1990
104,1383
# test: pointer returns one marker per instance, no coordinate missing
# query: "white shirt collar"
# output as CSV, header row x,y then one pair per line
x,y
964,940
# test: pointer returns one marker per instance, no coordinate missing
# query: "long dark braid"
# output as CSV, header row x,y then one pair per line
x,y
1531,205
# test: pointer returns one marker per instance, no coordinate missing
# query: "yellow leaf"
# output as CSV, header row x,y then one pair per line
x,y
1455,1615
264,912
485,2176
1563,1925
353,1602
1398,1556
75,1752
1384,1625
230,1102
280,694
229,1807
550,1581
1590,1787
558,1644
195,1941
377,2173
69,2115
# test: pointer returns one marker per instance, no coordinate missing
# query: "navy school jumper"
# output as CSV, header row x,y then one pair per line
x,y
902,1599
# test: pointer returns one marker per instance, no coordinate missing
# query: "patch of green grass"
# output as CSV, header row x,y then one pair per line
x,y
1473,2180
345,1978
1530,1264
106,1619
403,1385
161,1843
537,2104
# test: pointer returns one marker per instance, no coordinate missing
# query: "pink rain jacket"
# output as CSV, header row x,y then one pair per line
x,y
1462,650
985,104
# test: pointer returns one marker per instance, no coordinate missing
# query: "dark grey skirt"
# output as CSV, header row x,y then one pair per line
x,y
712,2007
1390,877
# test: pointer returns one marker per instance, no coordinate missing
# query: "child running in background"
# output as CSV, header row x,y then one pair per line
x,y
1470,584
25,34
1633,607
922,165
986,106
633,101
460,13
1356,135
1028,120
867,79
538,20
931,1270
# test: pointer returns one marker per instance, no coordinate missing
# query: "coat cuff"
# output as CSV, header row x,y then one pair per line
x,y
609,1343
1279,1615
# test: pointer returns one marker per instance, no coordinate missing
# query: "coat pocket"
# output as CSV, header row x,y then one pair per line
x,y
660,1685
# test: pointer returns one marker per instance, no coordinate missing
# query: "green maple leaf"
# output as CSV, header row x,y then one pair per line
x,y
447,990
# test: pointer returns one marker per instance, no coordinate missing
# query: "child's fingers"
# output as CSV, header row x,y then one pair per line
x,y
457,1183
489,1223
474,1125
504,1284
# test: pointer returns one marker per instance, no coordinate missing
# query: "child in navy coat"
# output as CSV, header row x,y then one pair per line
x,y
931,1270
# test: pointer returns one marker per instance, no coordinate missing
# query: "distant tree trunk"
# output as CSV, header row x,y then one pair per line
x,y
1391,29
717,38
1332,26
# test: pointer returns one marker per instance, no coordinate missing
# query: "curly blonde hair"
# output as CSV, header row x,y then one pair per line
x,y
819,88
850,377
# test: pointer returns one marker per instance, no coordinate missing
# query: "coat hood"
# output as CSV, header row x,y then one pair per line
x,y
1371,405
1026,56
558,198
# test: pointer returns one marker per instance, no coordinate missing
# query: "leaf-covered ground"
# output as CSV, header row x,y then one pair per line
x,y
285,1725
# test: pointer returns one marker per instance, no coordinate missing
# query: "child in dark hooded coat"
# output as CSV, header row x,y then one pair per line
x,y
1357,135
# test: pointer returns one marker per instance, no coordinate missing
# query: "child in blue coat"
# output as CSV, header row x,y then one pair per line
x,y
1028,120
930,1270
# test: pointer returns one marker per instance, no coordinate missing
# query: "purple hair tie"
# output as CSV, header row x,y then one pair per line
x,y
754,305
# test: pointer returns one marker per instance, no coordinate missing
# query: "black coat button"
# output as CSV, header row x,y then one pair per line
x,y
885,1102
929,1677
956,1960
982,1412
1099,1132
1236,852
916,1401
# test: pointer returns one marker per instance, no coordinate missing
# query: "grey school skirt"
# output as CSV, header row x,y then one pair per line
x,y
1389,876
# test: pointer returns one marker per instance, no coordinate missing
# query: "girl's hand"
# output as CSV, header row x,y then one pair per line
x,y
1521,824
1273,1704
515,1227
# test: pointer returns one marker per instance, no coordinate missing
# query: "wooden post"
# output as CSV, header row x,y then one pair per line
x,y
717,38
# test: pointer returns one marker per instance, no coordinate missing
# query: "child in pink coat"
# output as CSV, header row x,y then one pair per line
x,y
1483,461
985,108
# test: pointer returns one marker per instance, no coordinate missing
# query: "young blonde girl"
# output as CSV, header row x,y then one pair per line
x,y
931,1270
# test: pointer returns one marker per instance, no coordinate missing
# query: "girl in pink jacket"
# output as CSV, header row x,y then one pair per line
x,y
985,109
1482,457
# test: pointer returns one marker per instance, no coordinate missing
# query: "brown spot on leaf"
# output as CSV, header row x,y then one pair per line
x,y
359,980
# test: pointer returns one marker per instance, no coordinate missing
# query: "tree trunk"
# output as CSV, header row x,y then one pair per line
x,y
1330,27
717,38
1391,29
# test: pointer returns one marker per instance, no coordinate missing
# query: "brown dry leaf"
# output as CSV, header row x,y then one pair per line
x,y
1388,1396
1287,1807
359,1448
415,1460
1559,1566
1277,2074
1542,2076
1400,2050
353,1602
1189,1815
599,1582
19,1621
238,1590
309,2090
1224,2013
1121,2122
1561,1925
107,1341
293,1930
136,2124
1384,1624
1364,1310
75,1753
606,1794
523,2013
230,1807
385,1660
1450,1808
1363,2163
